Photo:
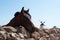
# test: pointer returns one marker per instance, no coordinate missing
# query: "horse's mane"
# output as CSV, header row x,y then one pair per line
x,y
16,14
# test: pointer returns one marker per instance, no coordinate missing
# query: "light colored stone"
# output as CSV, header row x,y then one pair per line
x,y
36,35
3,35
30,39
21,35
9,29
43,38
14,36
52,37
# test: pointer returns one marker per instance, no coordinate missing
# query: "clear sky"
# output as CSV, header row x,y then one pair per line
x,y
40,10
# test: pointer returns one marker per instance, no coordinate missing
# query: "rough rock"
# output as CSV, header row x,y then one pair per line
x,y
9,29
20,33
36,35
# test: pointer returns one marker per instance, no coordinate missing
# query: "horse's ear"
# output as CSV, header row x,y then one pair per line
x,y
16,14
22,10
28,10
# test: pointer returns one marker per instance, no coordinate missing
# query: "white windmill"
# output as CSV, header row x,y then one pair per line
x,y
42,25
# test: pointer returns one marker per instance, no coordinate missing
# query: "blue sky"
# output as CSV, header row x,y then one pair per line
x,y
40,10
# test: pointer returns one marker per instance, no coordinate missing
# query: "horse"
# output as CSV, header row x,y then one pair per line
x,y
22,18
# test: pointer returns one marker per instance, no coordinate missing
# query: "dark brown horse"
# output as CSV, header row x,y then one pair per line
x,y
23,18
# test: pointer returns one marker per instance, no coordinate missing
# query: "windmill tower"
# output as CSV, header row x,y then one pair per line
x,y
42,25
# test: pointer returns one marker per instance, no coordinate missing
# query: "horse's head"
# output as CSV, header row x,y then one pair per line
x,y
22,18
25,18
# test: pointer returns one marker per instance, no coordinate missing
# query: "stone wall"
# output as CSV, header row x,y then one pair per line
x,y
19,33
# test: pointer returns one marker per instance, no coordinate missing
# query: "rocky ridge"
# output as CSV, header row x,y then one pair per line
x,y
20,33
